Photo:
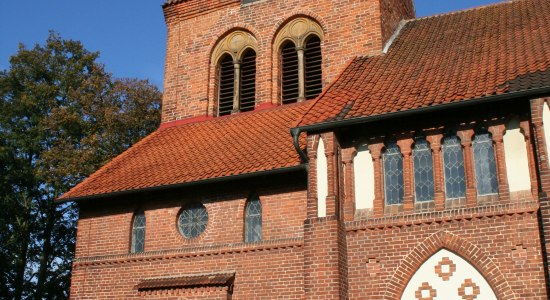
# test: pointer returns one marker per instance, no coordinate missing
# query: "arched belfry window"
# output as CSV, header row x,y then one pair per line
x,y
248,81
226,78
253,220
300,60
289,73
235,59
312,67
138,233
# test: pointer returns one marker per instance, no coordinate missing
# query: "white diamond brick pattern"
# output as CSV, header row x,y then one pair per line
x,y
465,283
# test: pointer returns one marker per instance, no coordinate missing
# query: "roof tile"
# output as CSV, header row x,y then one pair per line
x,y
238,144
459,56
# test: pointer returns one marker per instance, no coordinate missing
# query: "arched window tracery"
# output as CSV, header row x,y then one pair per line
x,y
235,60
300,58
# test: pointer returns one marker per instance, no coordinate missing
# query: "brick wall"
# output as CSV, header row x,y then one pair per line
x,y
104,269
263,272
106,230
351,28
503,245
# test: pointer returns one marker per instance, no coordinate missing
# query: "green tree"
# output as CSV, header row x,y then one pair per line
x,y
62,116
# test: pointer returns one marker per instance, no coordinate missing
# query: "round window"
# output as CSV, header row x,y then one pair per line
x,y
192,220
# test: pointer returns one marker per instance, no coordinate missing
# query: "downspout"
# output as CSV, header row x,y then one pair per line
x,y
296,138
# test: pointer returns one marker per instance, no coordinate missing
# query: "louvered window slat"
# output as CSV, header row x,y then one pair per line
x,y
313,71
289,73
248,81
226,86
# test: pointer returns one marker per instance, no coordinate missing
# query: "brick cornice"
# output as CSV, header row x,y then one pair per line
x,y
397,221
216,249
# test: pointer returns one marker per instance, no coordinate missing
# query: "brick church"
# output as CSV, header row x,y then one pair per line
x,y
332,149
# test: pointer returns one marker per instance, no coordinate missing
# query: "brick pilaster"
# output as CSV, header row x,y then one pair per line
x,y
405,144
325,246
497,134
348,155
375,149
465,136
434,138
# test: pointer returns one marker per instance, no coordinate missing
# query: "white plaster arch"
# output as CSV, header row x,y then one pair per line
x,y
298,31
363,174
234,44
446,275
546,126
515,154
322,179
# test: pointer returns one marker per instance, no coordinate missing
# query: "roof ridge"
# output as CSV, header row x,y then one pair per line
x,y
236,116
299,120
456,12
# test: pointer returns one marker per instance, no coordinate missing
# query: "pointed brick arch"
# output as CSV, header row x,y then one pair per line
x,y
470,252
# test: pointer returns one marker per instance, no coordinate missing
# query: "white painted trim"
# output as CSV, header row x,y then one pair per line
x,y
322,180
363,170
515,153
546,126
394,35
448,289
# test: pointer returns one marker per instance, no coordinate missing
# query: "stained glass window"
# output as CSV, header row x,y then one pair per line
x,y
485,165
193,220
138,233
453,164
393,174
253,221
423,171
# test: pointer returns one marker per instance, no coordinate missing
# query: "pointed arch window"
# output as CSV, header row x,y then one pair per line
x,y
485,164
301,76
423,171
393,174
253,220
138,233
453,164
235,59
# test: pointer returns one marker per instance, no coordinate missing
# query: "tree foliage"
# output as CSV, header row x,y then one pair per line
x,y
61,117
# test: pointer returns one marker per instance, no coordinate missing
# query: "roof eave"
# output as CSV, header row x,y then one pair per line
x,y
324,126
300,167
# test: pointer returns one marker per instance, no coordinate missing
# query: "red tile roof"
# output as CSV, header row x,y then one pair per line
x,y
187,281
233,145
459,56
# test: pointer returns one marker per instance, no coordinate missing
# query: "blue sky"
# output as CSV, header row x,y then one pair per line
x,y
129,34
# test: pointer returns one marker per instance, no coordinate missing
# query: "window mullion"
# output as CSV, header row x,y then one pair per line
x,y
301,76
236,86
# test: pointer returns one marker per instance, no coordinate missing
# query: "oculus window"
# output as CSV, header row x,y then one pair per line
x,y
192,220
